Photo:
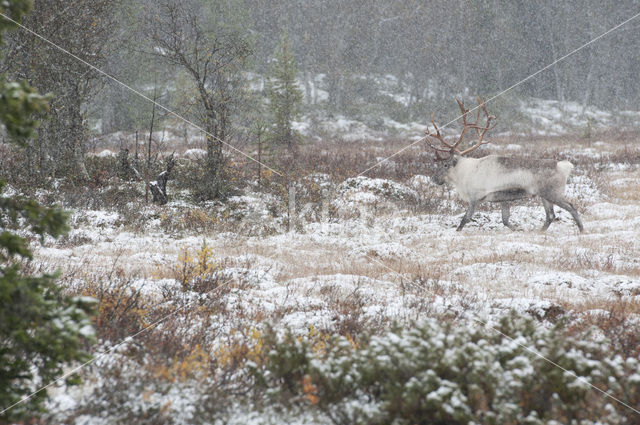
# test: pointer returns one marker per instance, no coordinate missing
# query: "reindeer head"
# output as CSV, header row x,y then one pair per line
x,y
443,167
448,154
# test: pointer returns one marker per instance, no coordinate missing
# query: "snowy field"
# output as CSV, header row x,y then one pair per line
x,y
389,256
367,255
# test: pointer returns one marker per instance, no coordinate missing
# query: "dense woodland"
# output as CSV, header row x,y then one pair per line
x,y
443,47
437,48
207,60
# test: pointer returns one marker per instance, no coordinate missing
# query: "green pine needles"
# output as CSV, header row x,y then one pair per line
x,y
284,95
41,329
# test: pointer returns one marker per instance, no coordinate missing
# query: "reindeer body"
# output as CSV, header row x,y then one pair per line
x,y
477,178
502,179
496,178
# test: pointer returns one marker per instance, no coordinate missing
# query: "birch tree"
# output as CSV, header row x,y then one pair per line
x,y
207,41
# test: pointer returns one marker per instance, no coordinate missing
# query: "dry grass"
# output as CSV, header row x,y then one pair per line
x,y
460,268
625,186
217,304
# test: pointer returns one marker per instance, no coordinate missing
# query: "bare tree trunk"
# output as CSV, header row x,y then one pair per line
x,y
588,92
214,166
554,56
291,204
76,135
153,117
79,161
259,158
135,159
557,77
309,91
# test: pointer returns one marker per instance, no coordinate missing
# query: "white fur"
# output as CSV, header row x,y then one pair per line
x,y
504,179
565,168
475,178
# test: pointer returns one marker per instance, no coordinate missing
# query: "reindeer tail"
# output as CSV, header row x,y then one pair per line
x,y
564,167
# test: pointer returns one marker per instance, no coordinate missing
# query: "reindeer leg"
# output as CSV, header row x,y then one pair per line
x,y
467,215
506,212
564,204
548,210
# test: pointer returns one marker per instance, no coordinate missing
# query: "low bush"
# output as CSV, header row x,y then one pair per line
x,y
122,309
197,271
453,373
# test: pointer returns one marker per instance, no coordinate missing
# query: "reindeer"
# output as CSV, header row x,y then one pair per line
x,y
496,178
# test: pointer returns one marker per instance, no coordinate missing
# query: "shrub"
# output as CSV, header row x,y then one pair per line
x,y
452,373
122,309
197,272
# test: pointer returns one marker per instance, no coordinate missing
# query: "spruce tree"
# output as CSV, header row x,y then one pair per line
x,y
284,95
41,330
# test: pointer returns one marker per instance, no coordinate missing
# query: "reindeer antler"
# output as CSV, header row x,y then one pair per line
x,y
439,137
481,131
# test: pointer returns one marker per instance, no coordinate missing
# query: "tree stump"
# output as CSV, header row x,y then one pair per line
x,y
158,187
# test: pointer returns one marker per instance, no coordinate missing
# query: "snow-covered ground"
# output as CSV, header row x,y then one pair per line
x,y
370,253
367,247
387,254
